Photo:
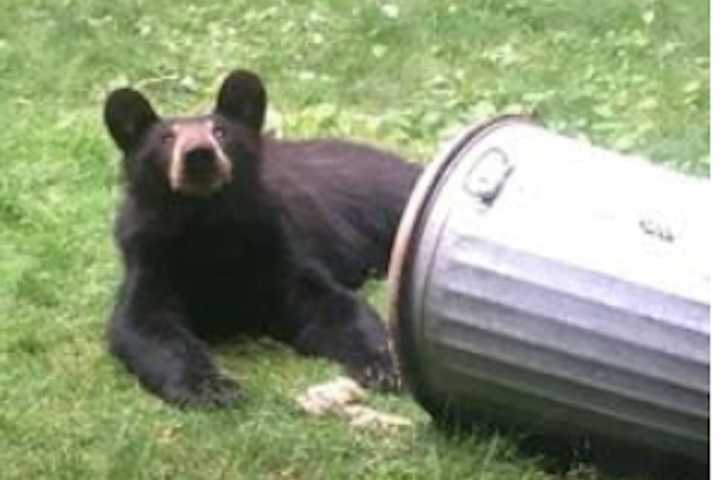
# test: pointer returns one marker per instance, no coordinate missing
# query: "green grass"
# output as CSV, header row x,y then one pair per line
x,y
632,75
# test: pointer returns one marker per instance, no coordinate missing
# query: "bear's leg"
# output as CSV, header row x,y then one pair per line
x,y
148,335
335,323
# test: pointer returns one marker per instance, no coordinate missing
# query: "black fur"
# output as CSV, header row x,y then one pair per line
x,y
343,199
273,252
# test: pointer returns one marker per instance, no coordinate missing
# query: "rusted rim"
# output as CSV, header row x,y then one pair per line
x,y
404,249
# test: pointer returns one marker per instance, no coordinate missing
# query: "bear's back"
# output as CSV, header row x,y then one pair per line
x,y
343,199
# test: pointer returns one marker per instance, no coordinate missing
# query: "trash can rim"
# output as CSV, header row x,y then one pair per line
x,y
403,250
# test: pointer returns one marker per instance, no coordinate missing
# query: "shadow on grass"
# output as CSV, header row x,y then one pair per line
x,y
568,456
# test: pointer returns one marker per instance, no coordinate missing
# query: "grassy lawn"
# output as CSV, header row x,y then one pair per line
x,y
632,75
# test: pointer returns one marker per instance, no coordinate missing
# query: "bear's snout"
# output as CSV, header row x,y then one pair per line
x,y
199,167
199,160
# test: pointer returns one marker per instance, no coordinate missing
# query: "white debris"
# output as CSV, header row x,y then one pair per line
x,y
344,397
327,397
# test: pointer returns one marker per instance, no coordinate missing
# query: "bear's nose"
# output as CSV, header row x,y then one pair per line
x,y
199,159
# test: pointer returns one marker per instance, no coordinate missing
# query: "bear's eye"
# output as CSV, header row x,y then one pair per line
x,y
167,137
218,132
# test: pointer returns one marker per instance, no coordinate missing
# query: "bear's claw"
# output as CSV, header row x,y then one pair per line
x,y
381,374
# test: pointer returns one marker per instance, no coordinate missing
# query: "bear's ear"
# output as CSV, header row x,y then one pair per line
x,y
128,116
242,98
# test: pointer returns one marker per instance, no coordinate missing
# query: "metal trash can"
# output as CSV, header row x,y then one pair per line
x,y
542,282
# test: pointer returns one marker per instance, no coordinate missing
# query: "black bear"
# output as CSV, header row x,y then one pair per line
x,y
226,231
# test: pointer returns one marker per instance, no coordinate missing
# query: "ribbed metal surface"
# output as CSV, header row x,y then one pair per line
x,y
569,292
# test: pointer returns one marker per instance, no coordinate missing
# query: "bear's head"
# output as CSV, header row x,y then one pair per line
x,y
189,156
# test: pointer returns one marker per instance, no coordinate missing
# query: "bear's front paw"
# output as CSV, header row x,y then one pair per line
x,y
380,374
209,391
